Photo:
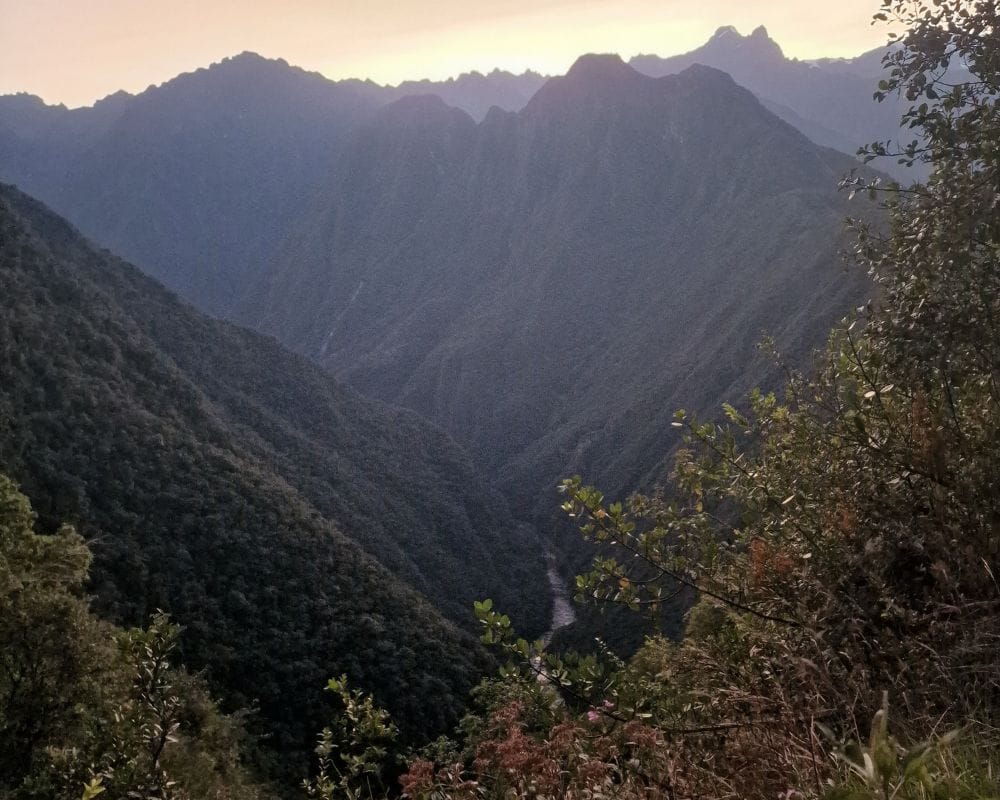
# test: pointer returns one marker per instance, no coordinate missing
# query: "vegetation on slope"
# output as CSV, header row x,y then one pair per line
x,y
209,469
87,708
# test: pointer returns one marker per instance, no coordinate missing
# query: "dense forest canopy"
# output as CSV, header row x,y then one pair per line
x,y
281,519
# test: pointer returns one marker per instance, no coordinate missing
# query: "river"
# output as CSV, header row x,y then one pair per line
x,y
562,604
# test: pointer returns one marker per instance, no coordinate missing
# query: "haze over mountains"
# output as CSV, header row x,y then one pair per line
x,y
548,283
551,285
200,180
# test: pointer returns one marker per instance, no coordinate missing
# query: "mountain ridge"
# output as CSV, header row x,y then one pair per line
x,y
831,103
586,173
202,179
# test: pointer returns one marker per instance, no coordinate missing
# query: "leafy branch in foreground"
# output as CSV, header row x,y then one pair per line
x,y
353,753
89,710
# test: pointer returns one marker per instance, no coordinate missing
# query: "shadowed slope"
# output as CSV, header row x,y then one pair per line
x,y
215,474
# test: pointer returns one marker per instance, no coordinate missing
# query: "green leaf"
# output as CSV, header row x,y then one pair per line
x,y
92,789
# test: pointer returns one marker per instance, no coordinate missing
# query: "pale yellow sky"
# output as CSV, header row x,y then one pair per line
x,y
76,51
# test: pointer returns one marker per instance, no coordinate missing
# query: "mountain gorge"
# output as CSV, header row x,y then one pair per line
x,y
550,285
614,434
294,529
503,278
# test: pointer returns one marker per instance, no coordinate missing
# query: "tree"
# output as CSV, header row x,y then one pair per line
x,y
87,709
53,654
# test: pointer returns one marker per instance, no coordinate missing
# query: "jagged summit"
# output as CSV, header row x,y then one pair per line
x,y
725,32
600,66
758,43
730,33
249,56
248,60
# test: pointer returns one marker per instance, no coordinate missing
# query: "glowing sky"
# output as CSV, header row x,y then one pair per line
x,y
76,51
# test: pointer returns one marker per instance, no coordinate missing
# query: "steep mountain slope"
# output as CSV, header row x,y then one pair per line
x,y
198,179
239,487
551,285
829,100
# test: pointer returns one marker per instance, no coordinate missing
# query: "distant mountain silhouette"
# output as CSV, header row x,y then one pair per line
x,y
476,93
829,100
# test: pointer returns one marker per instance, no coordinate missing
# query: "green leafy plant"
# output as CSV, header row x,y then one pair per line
x,y
353,753
883,769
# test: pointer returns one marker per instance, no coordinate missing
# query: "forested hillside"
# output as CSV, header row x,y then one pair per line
x,y
89,708
233,484
550,285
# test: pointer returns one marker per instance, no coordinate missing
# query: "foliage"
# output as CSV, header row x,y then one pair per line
x,y
353,754
89,710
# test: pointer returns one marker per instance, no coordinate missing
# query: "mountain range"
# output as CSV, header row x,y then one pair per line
x,y
201,180
550,285
476,93
544,285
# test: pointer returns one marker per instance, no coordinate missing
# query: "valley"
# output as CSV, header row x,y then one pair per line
x,y
616,432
